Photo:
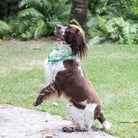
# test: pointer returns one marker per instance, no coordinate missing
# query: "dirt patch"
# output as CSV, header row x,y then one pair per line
x,y
16,122
42,39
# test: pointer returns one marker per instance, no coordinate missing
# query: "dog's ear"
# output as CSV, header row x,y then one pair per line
x,y
79,46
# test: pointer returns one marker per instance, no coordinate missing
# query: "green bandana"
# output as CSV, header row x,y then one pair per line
x,y
64,52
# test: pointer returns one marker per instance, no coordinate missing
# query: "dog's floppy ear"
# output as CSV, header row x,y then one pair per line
x,y
79,46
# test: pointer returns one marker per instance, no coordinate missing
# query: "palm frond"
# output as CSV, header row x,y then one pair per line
x,y
4,29
39,30
102,22
29,3
111,24
76,22
4,26
24,25
30,12
27,35
43,6
130,32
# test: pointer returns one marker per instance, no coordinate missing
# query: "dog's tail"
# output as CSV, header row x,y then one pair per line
x,y
103,121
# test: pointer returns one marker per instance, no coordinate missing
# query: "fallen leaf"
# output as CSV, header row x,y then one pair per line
x,y
36,48
2,107
25,99
115,92
124,106
55,104
48,135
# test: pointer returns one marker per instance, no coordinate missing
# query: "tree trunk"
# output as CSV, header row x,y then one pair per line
x,y
79,12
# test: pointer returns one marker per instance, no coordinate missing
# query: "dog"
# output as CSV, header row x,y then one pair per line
x,y
66,78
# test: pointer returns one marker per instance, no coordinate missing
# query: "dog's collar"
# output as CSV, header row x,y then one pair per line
x,y
64,52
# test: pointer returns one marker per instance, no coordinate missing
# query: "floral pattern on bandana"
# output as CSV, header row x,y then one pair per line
x,y
64,52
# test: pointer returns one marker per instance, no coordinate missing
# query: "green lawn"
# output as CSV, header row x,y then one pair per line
x,y
111,67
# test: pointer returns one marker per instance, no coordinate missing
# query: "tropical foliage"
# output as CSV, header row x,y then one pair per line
x,y
39,17
107,20
4,29
113,20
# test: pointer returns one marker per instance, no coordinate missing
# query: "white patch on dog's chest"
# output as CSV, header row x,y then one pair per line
x,y
52,69
79,68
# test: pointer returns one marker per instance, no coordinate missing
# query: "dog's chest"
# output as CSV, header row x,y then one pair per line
x,y
52,69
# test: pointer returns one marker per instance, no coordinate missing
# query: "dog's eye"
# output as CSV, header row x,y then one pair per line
x,y
67,31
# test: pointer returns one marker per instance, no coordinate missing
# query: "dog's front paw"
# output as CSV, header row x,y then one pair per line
x,y
68,129
35,103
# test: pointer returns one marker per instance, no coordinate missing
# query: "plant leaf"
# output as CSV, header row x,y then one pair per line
x,y
30,12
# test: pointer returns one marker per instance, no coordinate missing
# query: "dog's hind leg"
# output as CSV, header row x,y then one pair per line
x,y
83,119
76,116
103,121
98,115
46,93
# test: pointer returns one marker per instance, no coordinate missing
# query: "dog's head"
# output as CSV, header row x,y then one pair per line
x,y
74,36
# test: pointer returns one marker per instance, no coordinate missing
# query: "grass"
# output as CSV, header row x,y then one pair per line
x,y
111,67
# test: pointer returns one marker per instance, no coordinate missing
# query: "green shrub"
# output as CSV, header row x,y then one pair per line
x,y
108,20
4,29
39,18
113,20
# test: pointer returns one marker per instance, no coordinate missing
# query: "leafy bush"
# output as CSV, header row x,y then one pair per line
x,y
39,18
115,29
108,20
113,20
129,9
4,29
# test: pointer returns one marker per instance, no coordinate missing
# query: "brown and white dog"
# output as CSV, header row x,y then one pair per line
x,y
66,78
